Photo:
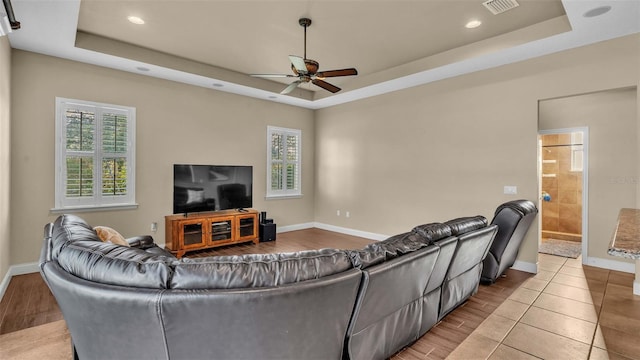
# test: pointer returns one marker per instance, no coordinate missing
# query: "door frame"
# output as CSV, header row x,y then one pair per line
x,y
585,183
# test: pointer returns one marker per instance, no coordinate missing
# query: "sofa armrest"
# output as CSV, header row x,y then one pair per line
x,y
141,242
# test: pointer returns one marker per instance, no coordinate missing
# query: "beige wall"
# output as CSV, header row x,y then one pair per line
x,y
613,161
424,154
5,150
176,123
446,149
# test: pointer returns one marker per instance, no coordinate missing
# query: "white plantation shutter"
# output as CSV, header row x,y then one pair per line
x,y
94,155
283,162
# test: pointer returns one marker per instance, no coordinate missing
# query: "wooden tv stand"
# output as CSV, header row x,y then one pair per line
x,y
205,230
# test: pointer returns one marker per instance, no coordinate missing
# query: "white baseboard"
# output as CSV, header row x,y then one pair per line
x,y
611,264
591,261
353,232
14,270
525,266
294,227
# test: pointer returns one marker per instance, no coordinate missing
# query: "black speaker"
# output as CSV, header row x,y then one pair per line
x,y
267,232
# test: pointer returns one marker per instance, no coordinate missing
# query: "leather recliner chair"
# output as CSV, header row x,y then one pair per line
x,y
513,219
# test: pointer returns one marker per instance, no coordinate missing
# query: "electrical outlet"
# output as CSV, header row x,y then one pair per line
x,y
337,212
154,226
510,190
347,214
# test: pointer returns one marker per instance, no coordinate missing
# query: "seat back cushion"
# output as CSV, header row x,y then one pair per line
x,y
69,229
432,232
258,270
390,248
389,306
471,250
463,225
116,265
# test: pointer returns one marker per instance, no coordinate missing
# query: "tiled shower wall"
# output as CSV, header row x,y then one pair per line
x,y
562,214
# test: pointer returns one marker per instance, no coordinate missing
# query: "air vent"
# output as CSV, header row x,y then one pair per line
x,y
499,6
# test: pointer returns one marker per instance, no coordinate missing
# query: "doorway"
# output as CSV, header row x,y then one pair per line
x,y
562,168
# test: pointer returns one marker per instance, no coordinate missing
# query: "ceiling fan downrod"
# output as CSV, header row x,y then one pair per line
x,y
305,22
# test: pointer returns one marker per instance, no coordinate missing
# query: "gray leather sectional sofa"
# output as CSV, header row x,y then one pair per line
x,y
140,302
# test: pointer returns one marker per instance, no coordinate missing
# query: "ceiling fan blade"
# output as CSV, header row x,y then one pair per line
x,y
325,85
290,88
334,73
272,75
298,63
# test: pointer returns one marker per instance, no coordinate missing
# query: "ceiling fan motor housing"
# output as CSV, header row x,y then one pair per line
x,y
304,22
312,67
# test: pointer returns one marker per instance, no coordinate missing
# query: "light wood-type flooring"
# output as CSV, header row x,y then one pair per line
x,y
566,311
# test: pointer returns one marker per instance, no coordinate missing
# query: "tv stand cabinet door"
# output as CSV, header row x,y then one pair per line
x,y
192,234
247,227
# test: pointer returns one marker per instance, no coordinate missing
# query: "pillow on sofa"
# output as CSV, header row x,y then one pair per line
x,y
107,234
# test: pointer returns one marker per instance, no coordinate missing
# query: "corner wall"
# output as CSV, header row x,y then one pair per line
x,y
5,152
447,149
176,123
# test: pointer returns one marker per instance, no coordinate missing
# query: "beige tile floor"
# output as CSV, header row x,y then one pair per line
x,y
566,311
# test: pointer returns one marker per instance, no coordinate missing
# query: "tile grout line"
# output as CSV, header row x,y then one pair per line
x,y
501,342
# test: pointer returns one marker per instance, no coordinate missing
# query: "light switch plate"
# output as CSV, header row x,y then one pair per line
x,y
510,190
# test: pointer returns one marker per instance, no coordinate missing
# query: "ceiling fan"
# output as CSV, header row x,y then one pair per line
x,y
306,70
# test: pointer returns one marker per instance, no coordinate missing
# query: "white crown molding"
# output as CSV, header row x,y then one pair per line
x,y
49,27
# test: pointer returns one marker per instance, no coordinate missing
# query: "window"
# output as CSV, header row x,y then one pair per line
x,y
284,162
95,154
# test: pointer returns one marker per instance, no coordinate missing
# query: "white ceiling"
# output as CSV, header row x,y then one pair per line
x,y
393,44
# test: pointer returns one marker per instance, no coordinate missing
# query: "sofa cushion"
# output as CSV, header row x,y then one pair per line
x,y
69,229
388,249
523,206
116,265
258,270
107,234
463,225
432,232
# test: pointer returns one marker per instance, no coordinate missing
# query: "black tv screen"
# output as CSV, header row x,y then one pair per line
x,y
199,188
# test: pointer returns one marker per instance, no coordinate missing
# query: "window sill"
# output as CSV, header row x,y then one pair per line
x,y
94,208
281,197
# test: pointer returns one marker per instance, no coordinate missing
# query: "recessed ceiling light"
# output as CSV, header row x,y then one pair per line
x,y
135,20
597,11
142,68
473,24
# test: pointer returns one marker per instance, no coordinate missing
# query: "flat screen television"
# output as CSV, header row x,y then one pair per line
x,y
199,188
